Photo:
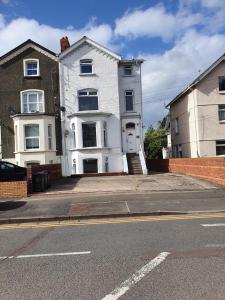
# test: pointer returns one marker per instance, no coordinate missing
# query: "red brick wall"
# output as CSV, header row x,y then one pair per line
x,y
212,168
10,189
54,170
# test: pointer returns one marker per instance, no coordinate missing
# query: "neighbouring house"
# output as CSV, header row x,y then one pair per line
x,y
30,127
102,120
197,115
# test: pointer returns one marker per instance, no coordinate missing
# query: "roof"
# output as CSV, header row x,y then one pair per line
x,y
85,39
24,46
131,61
194,83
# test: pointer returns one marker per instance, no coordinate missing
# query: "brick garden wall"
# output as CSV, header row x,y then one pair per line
x,y
10,189
54,170
211,169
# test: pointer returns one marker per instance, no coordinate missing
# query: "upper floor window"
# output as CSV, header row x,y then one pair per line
x,y
128,70
129,100
221,83
32,138
177,125
88,100
31,67
32,101
86,66
221,112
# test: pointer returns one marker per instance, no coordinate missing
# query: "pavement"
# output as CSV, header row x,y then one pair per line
x,y
163,257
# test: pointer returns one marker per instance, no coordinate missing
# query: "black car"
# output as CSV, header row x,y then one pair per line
x,y
9,171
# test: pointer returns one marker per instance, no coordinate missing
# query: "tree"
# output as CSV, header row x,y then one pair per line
x,y
155,140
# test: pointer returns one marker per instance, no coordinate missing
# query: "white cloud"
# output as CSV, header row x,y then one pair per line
x,y
5,1
21,29
166,74
156,22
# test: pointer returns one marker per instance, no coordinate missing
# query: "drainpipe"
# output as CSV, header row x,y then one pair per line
x,y
196,135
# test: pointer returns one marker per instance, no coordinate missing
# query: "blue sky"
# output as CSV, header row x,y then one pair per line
x,y
177,38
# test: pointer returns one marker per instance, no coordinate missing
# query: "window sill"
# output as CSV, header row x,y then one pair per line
x,y
221,92
128,75
87,74
32,77
89,148
222,122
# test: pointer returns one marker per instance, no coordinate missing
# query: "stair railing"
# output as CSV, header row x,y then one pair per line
x,y
142,160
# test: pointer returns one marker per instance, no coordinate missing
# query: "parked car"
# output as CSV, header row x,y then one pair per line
x,y
9,171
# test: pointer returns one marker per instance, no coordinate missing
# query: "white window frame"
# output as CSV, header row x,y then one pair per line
x,y
50,137
31,60
88,91
105,134
84,62
130,67
73,128
220,145
221,110
32,91
125,95
176,123
31,137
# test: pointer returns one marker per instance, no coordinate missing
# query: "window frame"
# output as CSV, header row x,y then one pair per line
x,y
220,145
50,137
176,125
28,92
221,110
73,129
83,62
127,67
96,142
31,60
88,91
125,96
31,137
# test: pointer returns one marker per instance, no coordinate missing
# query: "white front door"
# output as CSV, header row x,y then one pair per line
x,y
131,140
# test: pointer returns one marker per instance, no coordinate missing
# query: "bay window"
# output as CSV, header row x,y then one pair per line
x,y
89,135
32,138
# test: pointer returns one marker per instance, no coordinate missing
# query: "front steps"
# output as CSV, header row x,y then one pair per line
x,y
134,165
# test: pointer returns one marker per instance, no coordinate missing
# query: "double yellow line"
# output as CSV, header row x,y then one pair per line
x,y
112,221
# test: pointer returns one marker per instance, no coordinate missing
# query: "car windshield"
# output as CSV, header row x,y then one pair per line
x,y
6,165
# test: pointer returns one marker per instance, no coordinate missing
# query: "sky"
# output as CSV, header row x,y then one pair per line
x,y
178,39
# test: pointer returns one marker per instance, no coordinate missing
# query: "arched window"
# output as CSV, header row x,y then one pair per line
x,y
32,101
88,99
130,125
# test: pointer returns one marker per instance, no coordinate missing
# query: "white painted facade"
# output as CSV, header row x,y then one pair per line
x,y
108,79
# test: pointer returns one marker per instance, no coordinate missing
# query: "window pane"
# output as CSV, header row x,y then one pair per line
x,y
32,143
86,68
31,68
82,93
128,70
89,134
222,115
129,103
90,165
32,131
222,83
88,103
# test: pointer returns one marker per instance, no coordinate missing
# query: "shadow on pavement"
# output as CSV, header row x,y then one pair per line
x,y
9,205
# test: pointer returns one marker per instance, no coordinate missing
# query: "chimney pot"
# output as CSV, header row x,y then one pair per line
x,y
64,43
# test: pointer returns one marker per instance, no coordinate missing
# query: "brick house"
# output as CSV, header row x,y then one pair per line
x,y
30,130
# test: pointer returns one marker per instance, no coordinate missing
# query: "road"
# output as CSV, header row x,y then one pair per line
x,y
163,257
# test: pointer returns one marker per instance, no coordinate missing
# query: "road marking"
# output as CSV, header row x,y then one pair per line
x,y
111,221
213,225
137,276
46,255
127,207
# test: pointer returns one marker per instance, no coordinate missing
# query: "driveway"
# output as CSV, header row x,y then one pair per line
x,y
132,183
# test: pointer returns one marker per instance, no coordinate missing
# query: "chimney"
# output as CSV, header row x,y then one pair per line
x,y
64,43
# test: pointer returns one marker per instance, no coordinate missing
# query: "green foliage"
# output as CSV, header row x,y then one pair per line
x,y
155,140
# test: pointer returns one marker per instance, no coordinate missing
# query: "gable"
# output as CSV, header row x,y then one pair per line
x,y
86,41
24,47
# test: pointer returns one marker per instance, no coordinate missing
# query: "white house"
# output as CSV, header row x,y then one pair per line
x,y
101,102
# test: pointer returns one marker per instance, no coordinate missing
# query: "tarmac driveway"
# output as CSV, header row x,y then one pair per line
x,y
132,183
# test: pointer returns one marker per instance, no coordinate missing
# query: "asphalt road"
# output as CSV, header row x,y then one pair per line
x,y
167,257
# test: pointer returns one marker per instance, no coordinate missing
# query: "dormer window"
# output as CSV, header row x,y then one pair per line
x,y
31,67
86,66
128,70
32,101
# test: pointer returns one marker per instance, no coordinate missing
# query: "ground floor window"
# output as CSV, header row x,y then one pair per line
x,y
220,147
31,137
89,135
178,151
90,165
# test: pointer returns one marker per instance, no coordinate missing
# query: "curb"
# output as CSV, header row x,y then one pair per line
x,y
107,216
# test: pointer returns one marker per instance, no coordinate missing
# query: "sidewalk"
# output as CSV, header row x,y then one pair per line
x,y
111,205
